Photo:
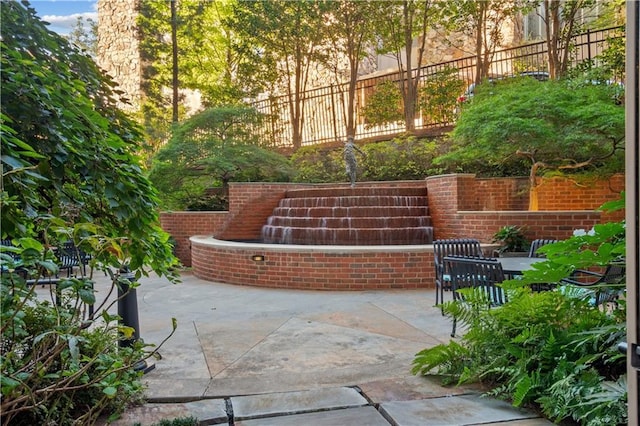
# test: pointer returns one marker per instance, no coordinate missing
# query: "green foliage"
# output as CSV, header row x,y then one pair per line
x,y
180,421
206,59
68,173
67,149
554,126
211,149
511,238
59,365
526,350
316,164
438,96
384,106
403,158
552,349
83,37
207,63
283,40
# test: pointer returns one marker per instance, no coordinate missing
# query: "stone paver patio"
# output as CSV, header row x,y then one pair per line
x,y
253,356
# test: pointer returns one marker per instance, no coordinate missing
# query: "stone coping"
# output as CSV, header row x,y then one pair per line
x,y
208,240
528,212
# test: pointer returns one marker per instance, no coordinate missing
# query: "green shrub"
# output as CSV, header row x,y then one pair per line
x,y
554,349
384,106
403,158
213,148
316,164
60,366
69,172
438,96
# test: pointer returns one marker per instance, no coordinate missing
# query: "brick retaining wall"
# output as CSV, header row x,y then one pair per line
x,y
460,206
313,267
182,225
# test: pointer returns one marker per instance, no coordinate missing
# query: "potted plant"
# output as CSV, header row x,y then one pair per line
x,y
512,240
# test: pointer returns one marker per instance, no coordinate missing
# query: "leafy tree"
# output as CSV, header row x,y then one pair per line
x,y
207,62
352,30
557,126
65,143
69,172
561,25
83,37
288,36
405,21
211,149
482,21
438,95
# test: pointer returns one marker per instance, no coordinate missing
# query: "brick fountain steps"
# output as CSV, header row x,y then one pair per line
x,y
350,222
351,216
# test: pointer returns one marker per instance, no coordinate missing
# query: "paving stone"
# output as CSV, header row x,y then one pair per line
x,y
359,416
523,422
161,389
454,410
409,387
253,406
211,411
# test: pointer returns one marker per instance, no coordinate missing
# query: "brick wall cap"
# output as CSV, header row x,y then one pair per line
x,y
333,185
527,212
207,240
177,212
450,175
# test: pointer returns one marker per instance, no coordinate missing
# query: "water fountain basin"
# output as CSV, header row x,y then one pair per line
x,y
313,267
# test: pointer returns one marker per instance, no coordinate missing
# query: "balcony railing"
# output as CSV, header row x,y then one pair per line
x,y
324,120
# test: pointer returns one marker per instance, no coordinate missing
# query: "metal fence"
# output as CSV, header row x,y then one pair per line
x,y
325,119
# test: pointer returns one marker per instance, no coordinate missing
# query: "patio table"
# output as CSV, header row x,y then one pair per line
x,y
516,265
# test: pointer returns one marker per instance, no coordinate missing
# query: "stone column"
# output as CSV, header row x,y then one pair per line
x,y
118,51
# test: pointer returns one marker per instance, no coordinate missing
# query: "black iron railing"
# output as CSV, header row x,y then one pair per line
x,y
324,119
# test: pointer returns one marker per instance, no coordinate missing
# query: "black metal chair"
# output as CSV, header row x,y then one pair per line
x,y
478,273
536,244
456,247
533,252
607,286
71,257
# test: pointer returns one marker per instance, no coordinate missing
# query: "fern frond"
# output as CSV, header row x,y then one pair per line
x,y
444,358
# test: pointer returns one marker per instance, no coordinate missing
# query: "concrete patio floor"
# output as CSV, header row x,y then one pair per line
x,y
253,356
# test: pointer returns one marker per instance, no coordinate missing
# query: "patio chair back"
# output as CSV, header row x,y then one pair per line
x,y
70,257
483,274
536,244
451,247
607,286
7,243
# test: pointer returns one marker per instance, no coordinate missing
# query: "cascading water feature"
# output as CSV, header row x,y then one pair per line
x,y
351,216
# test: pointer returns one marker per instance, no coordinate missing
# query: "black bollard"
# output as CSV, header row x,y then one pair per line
x,y
128,313
128,308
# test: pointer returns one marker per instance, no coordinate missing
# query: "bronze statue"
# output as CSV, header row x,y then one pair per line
x,y
350,159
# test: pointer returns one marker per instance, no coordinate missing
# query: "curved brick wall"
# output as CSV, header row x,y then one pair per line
x,y
313,267
460,206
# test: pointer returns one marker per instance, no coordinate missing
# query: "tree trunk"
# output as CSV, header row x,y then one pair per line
x,y
410,88
480,31
533,187
174,46
552,26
